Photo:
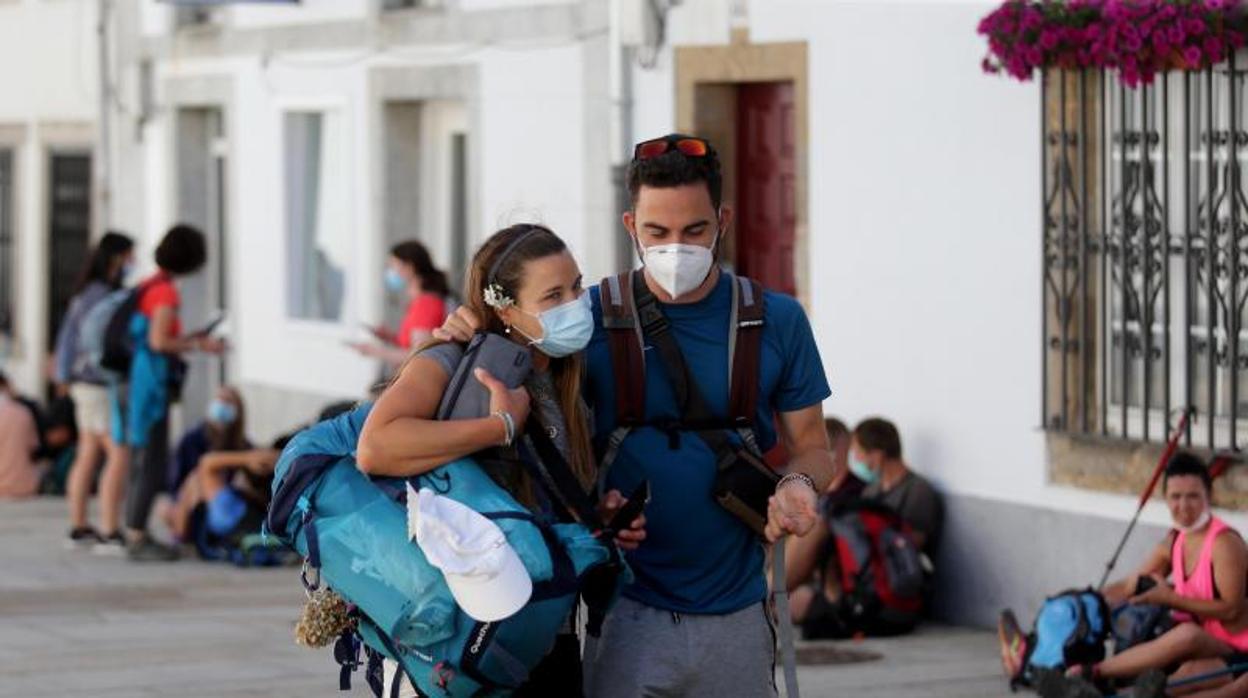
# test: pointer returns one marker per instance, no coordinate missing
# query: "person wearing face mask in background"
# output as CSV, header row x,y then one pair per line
x,y
411,273
1206,562
208,453
105,271
875,458
224,429
696,621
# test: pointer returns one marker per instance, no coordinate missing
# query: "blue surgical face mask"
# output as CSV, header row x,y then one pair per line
x,y
394,280
127,270
566,329
862,471
222,412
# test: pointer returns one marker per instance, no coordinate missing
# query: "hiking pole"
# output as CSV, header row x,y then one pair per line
x,y
1171,446
780,592
1192,680
1230,669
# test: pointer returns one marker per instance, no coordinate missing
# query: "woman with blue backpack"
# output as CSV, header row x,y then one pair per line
x,y
104,272
526,282
153,380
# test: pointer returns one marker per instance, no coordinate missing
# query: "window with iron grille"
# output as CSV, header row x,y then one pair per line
x,y
1145,249
7,266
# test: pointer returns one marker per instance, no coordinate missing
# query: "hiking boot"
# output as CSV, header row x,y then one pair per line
x,y
148,550
112,544
82,538
1151,684
1052,683
1013,643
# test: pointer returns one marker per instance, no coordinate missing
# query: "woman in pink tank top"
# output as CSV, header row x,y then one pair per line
x,y
1207,563
1201,584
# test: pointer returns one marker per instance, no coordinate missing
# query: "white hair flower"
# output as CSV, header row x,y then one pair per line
x,y
497,298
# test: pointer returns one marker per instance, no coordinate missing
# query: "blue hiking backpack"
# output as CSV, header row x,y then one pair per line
x,y
1071,629
352,532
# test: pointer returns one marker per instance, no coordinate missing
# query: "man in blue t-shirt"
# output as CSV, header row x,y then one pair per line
x,y
696,622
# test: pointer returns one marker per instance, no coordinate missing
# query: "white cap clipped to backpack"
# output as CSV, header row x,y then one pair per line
x,y
483,571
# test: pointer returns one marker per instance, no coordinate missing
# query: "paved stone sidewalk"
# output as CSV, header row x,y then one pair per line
x,y
72,623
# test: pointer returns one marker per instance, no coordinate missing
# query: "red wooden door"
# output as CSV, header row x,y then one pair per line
x,y
766,184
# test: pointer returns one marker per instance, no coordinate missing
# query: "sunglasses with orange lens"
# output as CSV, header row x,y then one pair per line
x,y
692,147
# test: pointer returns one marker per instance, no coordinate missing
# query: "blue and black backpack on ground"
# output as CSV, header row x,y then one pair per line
x,y
1071,629
1135,624
352,532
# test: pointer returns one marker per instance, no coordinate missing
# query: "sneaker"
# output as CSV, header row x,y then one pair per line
x,y
1013,644
148,550
112,544
82,538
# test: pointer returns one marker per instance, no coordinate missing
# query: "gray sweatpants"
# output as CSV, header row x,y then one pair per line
x,y
648,653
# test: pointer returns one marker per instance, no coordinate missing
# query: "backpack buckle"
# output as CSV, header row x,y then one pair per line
x,y
651,319
310,586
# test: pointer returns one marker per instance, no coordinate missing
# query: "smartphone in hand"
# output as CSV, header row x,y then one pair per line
x,y
636,504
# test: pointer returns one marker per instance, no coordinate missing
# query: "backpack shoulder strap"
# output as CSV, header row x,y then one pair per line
x,y
619,319
555,474
745,351
628,365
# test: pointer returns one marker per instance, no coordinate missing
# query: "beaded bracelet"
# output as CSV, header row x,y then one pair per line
x,y
798,477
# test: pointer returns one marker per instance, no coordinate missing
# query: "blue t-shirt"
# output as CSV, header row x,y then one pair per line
x,y
697,557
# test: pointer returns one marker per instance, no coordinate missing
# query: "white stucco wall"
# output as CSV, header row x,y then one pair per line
x,y
47,67
528,129
924,219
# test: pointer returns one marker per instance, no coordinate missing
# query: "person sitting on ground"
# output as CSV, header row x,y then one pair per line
x,y
804,554
246,472
227,494
875,458
223,430
19,444
58,432
1207,562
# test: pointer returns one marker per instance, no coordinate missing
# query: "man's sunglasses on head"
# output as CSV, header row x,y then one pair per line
x,y
687,145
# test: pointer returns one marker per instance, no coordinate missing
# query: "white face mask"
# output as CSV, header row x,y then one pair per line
x,y
678,268
1201,522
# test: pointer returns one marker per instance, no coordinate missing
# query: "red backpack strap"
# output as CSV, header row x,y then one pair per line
x,y
628,365
624,339
745,351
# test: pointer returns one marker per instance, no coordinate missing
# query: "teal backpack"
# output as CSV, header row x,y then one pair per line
x,y
352,532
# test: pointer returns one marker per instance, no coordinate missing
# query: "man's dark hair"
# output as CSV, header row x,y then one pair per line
x,y
878,434
674,169
1187,464
4,380
836,428
182,251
